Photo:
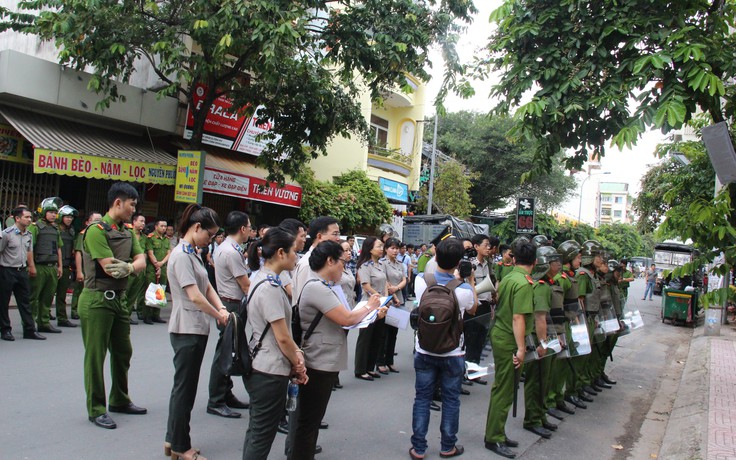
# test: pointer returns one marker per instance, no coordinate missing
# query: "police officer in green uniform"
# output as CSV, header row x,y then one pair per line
x,y
589,292
505,265
47,267
78,284
137,283
624,283
158,249
513,323
613,278
538,372
110,254
607,305
66,217
563,375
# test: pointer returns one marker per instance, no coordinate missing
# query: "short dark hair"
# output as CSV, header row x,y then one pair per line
x,y
493,241
391,242
135,216
292,225
503,248
323,252
320,225
449,252
121,190
276,238
18,212
409,246
525,253
262,226
479,238
234,221
160,219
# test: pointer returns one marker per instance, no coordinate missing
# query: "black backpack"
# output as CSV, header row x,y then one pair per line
x,y
440,323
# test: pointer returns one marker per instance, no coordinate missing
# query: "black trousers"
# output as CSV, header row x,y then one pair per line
x,y
267,401
386,353
221,385
188,356
311,407
15,282
370,343
476,332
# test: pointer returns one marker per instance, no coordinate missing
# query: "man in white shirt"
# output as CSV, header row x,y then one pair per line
x,y
446,369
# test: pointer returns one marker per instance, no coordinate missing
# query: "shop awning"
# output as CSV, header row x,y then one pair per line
x,y
226,174
75,149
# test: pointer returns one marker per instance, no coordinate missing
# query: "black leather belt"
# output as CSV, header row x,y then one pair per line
x,y
229,300
17,269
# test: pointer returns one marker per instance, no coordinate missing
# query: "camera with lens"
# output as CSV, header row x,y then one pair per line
x,y
467,265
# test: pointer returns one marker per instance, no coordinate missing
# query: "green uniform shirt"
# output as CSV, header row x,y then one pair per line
x,y
422,262
585,285
96,242
515,297
624,285
543,295
563,281
501,269
33,229
159,245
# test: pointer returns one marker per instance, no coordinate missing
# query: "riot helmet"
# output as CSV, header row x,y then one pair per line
x,y
540,240
545,256
67,210
589,250
50,204
568,250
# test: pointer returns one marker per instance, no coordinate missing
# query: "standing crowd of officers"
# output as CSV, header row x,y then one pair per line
x,y
535,290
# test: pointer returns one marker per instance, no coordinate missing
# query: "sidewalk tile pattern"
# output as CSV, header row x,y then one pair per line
x,y
722,403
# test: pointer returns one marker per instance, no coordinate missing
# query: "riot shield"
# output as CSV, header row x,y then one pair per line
x,y
579,341
631,322
552,343
564,352
531,349
609,322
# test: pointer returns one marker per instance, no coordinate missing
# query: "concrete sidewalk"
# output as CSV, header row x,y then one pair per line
x,y
702,424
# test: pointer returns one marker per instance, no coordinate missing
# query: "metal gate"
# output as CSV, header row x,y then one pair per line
x,y
18,184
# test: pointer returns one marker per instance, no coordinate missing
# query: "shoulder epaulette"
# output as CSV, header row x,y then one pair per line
x,y
529,278
128,226
81,232
542,282
8,230
104,226
150,235
499,263
563,275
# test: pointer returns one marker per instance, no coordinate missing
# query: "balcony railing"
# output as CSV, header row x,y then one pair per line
x,y
393,154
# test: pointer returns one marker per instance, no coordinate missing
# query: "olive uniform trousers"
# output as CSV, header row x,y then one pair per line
x,y
43,289
61,287
105,326
502,391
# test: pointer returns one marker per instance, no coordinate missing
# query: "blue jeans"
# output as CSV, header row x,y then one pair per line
x,y
649,290
448,373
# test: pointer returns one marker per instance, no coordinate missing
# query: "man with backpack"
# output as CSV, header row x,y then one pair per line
x,y
439,358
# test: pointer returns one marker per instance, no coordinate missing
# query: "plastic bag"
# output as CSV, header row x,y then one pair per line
x,y
156,296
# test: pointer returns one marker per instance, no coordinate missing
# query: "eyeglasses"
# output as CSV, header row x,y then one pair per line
x,y
211,235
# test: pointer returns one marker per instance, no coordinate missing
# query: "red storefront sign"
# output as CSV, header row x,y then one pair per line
x,y
228,130
250,188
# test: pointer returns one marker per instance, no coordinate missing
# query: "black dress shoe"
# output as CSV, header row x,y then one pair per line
x,y
158,320
317,449
595,386
383,371
539,431
7,336
480,381
223,411
374,374
283,427
434,406
367,377
565,408
338,386
75,315
234,403
323,425
575,401
583,396
555,413
104,421
600,383
134,322
33,335
467,382
549,426
49,329
52,317
608,379
65,323
590,390
511,443
500,449
463,391
148,321
130,408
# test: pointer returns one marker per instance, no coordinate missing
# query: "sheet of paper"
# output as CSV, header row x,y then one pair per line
x,y
475,371
397,318
370,317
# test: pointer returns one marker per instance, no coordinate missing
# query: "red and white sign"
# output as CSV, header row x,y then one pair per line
x,y
250,188
225,129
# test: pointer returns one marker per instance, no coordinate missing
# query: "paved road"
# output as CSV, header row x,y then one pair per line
x,y
43,408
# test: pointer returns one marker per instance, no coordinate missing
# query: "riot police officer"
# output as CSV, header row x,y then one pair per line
x,y
589,292
66,217
92,216
137,283
47,266
110,254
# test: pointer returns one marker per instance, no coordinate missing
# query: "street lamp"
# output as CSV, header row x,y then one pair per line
x,y
580,205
